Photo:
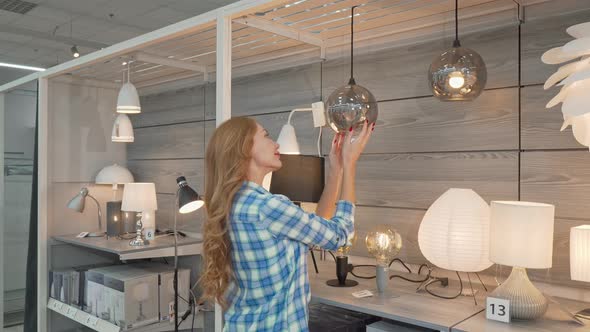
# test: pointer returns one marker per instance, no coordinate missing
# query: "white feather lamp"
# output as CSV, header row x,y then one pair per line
x,y
574,77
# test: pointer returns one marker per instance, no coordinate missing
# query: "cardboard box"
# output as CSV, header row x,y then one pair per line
x,y
94,293
166,288
132,296
61,285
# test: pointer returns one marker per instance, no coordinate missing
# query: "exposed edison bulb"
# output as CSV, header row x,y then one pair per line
x,y
384,244
383,241
456,80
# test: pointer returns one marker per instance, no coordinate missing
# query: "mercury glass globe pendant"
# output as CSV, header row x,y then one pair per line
x,y
458,73
350,105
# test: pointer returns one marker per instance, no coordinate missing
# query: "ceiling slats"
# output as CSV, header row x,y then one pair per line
x,y
329,20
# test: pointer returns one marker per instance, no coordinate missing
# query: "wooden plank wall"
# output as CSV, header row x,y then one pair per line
x,y
503,145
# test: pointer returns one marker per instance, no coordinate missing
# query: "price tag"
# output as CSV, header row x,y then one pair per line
x,y
57,305
361,294
91,321
71,312
149,233
498,309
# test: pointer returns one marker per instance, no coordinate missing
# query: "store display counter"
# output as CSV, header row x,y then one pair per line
x,y
423,310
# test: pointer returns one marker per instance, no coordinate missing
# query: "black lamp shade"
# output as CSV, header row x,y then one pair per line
x,y
188,199
301,178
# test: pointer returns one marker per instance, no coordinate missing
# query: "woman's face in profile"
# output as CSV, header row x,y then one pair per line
x,y
265,151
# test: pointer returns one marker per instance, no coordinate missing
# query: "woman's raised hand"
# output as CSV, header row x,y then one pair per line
x,y
352,149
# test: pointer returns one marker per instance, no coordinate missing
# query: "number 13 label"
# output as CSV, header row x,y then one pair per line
x,y
498,309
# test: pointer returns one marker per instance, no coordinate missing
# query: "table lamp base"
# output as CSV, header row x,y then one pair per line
x,y
526,301
336,283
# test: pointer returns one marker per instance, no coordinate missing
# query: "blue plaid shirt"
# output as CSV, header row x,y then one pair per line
x,y
270,239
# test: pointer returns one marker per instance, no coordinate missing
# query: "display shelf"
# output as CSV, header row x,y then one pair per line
x,y
101,325
82,317
159,247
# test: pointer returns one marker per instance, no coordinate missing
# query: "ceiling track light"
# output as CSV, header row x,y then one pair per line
x,y
75,52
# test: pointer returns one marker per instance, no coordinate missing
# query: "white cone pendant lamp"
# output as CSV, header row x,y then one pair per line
x,y
128,100
122,130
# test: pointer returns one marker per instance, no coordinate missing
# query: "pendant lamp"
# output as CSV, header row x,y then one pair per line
x,y
128,100
350,105
459,73
122,130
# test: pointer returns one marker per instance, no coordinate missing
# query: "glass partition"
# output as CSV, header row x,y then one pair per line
x,y
18,119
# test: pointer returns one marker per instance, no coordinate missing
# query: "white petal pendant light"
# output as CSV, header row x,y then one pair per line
x,y
454,233
577,99
565,71
122,130
128,100
574,80
579,30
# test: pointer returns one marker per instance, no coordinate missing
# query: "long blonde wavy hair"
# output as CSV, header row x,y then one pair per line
x,y
227,159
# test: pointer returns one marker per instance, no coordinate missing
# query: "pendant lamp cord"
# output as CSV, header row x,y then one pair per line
x,y
456,42
351,81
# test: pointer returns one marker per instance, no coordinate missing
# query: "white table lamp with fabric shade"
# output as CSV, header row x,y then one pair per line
x,y
580,258
140,197
521,236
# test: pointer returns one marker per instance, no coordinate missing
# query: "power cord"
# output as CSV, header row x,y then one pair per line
x,y
441,281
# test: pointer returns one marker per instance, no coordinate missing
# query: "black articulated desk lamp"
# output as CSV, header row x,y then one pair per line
x,y
301,179
188,200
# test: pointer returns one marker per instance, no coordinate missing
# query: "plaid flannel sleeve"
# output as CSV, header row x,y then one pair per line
x,y
283,218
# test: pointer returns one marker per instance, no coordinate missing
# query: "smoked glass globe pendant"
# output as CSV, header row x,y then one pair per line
x,y
351,105
459,73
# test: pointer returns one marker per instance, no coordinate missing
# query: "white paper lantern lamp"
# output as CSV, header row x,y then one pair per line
x,y
454,233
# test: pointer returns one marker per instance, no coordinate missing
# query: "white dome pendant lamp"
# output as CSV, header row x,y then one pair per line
x,y
128,100
122,130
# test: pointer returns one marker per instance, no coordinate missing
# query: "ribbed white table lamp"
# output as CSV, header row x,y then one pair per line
x,y
521,236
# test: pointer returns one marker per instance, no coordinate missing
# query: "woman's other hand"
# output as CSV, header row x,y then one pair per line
x,y
335,156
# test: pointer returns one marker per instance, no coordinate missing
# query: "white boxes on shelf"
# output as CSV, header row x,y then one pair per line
x,y
132,296
166,288
94,293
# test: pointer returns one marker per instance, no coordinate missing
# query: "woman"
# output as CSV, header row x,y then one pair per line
x,y
255,243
